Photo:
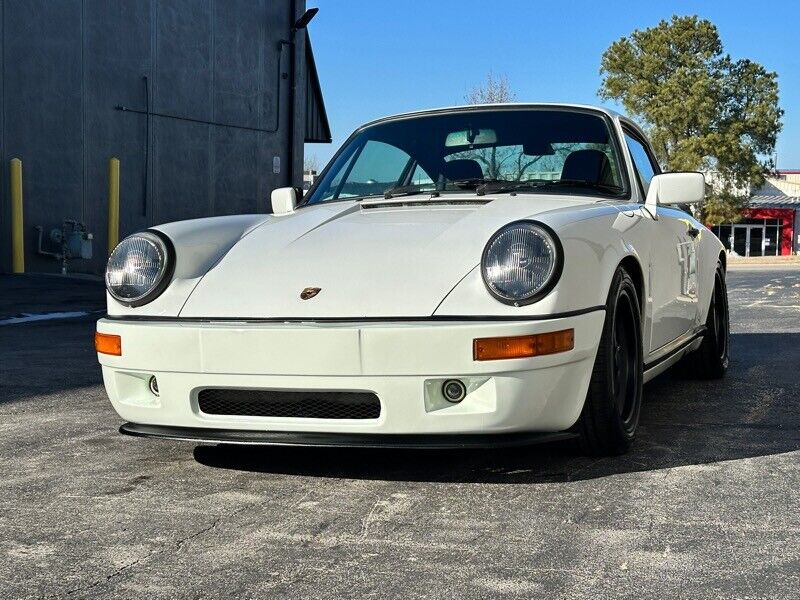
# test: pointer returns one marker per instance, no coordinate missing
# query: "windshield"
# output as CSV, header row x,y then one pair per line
x,y
550,151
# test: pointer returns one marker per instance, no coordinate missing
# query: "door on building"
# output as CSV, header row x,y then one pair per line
x,y
756,245
751,237
740,241
772,237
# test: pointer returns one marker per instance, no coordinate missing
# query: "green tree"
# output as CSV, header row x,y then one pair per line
x,y
702,109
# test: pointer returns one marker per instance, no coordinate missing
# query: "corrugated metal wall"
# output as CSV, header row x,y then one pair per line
x,y
68,63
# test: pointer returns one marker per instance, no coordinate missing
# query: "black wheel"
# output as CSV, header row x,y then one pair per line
x,y
710,360
608,422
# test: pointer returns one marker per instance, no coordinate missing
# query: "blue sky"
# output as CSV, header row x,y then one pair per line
x,y
378,57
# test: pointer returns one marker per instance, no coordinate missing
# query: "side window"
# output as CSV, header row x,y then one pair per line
x,y
341,167
641,160
378,167
420,177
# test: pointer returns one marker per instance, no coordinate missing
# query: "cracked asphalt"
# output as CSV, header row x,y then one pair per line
x,y
704,506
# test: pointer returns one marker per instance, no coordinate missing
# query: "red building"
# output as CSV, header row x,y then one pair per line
x,y
770,226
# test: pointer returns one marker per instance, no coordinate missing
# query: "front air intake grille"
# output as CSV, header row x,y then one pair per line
x,y
276,403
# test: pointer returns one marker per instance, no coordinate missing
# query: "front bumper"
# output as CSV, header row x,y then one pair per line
x,y
402,363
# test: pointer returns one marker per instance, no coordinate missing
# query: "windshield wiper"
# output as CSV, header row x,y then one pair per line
x,y
612,189
472,182
500,186
407,190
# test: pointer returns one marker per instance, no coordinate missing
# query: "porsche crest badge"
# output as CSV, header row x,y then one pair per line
x,y
309,293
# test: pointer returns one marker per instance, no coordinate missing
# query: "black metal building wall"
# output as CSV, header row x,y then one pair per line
x,y
68,64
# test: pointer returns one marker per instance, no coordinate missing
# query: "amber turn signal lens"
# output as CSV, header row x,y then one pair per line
x,y
523,346
105,343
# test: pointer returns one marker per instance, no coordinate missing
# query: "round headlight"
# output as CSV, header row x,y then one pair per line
x,y
140,268
522,262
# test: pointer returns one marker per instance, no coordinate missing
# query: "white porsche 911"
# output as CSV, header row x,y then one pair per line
x,y
484,275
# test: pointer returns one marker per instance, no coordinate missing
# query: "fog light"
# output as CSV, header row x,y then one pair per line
x,y
454,390
153,384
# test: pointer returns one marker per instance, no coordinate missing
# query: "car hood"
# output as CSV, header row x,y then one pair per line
x,y
368,259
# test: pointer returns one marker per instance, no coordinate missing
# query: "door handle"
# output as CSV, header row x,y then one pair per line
x,y
693,232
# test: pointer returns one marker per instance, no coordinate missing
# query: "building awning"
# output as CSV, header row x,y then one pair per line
x,y
317,128
774,201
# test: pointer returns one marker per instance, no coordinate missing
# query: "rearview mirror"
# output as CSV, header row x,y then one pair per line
x,y
675,188
283,200
537,148
470,137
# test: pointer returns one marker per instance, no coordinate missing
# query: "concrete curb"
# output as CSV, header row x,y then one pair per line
x,y
787,262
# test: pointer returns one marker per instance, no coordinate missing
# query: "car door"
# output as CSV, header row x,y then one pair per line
x,y
673,257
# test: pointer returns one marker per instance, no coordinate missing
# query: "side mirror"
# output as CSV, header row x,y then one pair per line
x,y
675,188
283,201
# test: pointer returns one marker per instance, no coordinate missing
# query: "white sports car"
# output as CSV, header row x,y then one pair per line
x,y
482,275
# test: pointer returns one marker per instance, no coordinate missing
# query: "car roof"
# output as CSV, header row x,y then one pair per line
x,y
612,114
482,107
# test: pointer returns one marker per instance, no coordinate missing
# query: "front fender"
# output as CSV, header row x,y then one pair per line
x,y
199,245
709,249
593,248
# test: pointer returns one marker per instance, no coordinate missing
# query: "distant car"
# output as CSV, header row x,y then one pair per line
x,y
484,275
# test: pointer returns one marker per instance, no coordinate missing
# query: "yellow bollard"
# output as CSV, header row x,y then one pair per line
x,y
113,204
17,237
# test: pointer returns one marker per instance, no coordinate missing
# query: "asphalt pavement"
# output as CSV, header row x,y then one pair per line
x,y
704,506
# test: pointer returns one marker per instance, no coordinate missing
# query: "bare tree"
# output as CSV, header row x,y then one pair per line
x,y
509,162
497,90
311,163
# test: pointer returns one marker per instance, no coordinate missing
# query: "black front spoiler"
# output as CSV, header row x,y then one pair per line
x,y
342,440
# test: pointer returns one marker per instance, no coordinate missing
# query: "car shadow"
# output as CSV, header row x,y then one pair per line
x,y
751,412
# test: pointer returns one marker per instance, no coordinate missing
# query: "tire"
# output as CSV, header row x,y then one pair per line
x,y
710,360
610,416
